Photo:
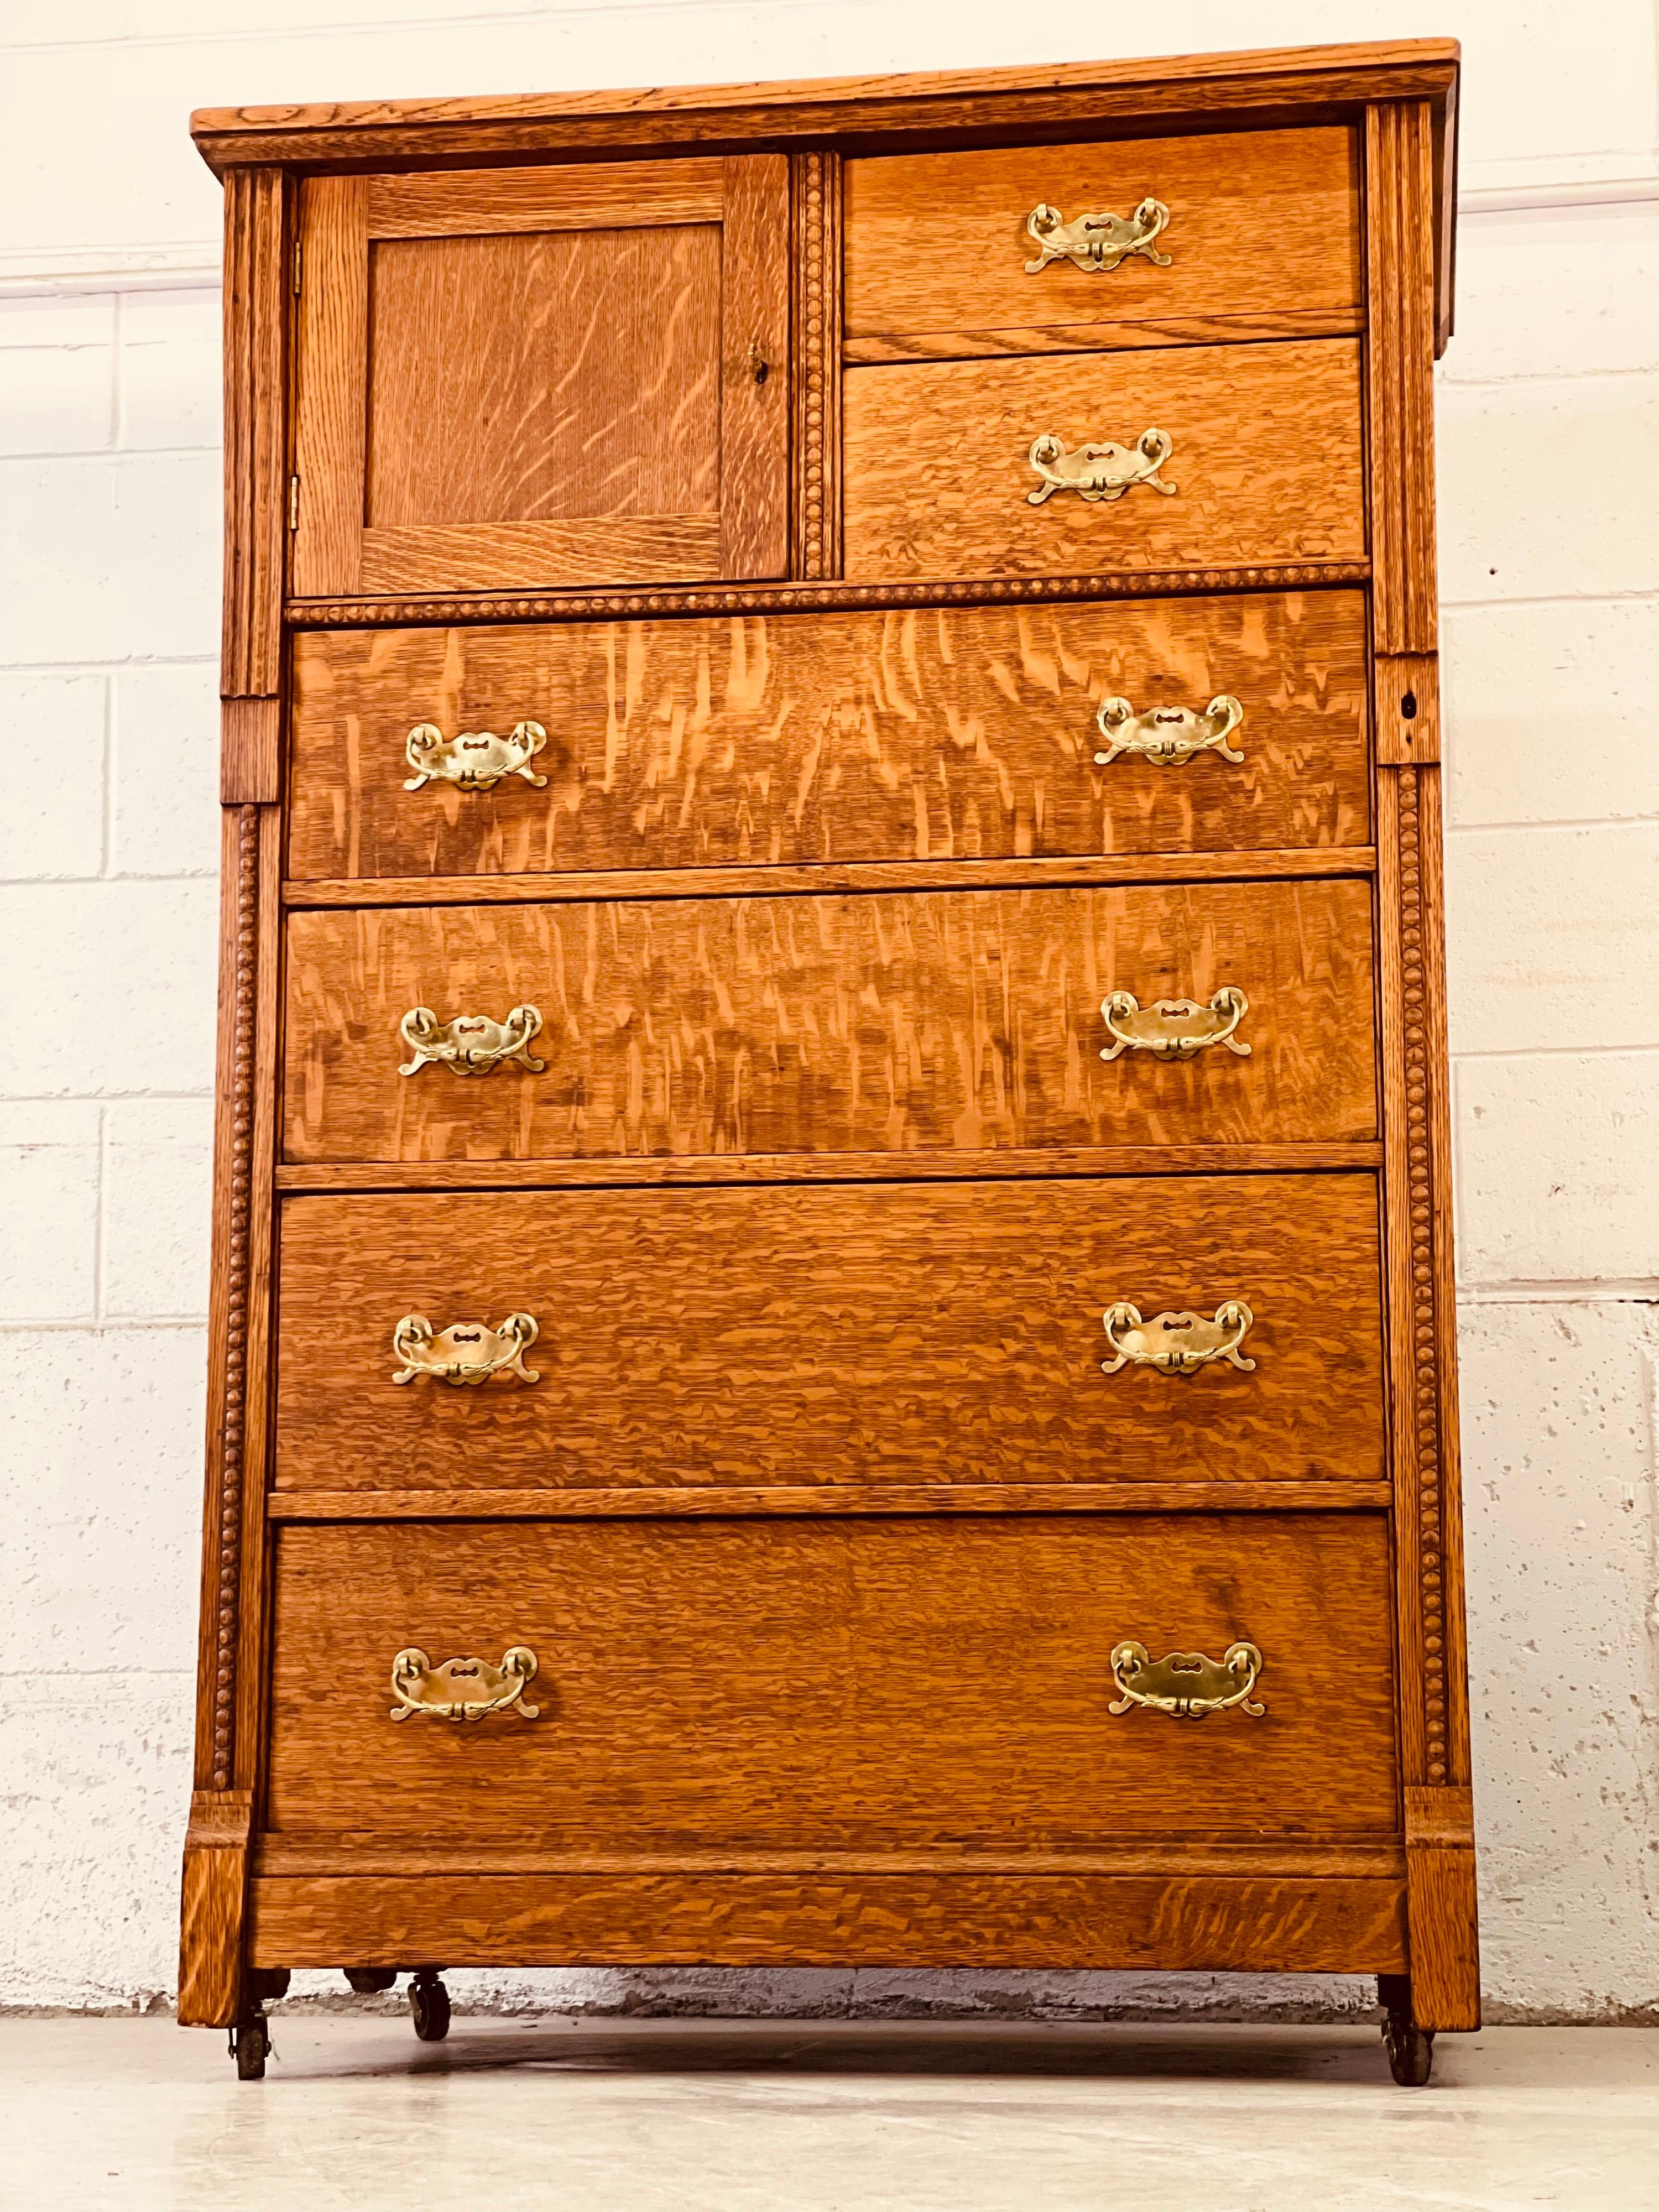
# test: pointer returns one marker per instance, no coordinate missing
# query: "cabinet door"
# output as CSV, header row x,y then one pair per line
x,y
525,378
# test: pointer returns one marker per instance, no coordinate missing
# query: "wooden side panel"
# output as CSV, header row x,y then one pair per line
x,y
1263,239
849,1684
1400,180
754,423
255,434
331,385
911,1024
867,1333
1265,461
1204,1923
1442,1908
212,1906
934,735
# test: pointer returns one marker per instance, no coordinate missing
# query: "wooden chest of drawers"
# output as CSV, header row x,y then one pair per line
x,y
832,1324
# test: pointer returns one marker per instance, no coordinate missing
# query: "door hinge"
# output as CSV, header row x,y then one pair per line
x,y
293,502
296,266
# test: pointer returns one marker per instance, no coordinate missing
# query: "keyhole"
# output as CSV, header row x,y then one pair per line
x,y
1408,705
759,366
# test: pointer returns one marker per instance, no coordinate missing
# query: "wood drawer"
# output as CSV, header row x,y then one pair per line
x,y
947,734
1263,242
879,1687
1266,459
864,1334
967,1021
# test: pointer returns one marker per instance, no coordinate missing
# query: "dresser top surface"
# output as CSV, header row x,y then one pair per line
x,y
1179,88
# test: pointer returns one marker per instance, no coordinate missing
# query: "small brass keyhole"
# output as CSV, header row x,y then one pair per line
x,y
759,368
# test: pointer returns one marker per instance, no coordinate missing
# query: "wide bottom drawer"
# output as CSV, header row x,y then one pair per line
x,y
879,1686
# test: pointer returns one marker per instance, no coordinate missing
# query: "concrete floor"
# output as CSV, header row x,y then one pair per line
x,y
718,2116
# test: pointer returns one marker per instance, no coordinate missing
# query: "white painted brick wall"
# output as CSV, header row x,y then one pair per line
x,y
1548,447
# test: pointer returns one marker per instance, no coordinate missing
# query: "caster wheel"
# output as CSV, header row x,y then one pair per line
x,y
370,1981
1410,2049
429,2002
250,2042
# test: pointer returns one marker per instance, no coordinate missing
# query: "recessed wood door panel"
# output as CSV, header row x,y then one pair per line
x,y
919,1022
1265,461
928,734
1263,242
862,1333
521,378
879,1685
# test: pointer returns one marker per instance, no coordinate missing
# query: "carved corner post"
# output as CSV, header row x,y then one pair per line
x,y
230,1685
1400,197
816,366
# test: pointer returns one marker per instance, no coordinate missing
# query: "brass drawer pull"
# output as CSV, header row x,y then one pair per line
x,y
1170,736
1176,1343
471,1044
1095,241
466,1352
463,1689
476,760
1185,1684
1100,470
1173,1028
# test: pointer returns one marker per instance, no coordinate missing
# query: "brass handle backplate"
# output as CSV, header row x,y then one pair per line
x,y
471,1044
1176,1343
1170,736
1173,1028
476,760
1185,1684
462,1689
1099,469
466,1352
1095,241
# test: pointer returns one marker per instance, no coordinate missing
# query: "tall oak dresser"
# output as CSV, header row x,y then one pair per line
x,y
832,1302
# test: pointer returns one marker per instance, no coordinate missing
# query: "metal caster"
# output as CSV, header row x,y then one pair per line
x,y
370,1981
250,2045
1410,2048
429,2002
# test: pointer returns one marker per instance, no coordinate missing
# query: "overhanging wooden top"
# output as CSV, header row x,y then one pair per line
x,y
875,112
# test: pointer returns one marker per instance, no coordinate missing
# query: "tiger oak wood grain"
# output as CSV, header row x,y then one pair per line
x,y
866,1334
1326,1496
1267,460
1327,1924
1263,224
451,203
849,1685
934,734
312,1851
910,1023
530,376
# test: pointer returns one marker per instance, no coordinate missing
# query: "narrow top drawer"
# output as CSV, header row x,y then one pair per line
x,y
1257,237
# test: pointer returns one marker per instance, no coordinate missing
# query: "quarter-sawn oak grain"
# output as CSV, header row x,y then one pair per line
x,y
942,733
1262,239
950,1332
916,1023
1208,1923
854,1685
1266,461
